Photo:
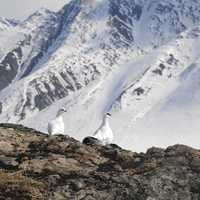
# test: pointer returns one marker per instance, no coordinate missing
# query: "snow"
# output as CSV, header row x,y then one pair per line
x,y
131,118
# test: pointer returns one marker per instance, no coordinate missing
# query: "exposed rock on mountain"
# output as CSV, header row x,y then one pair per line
x,y
35,166
6,24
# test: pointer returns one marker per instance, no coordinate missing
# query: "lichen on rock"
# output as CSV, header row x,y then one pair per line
x,y
35,166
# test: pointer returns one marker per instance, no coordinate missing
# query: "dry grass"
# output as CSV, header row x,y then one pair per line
x,y
18,186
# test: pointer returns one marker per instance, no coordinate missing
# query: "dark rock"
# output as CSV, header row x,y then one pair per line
x,y
109,166
155,152
8,163
139,91
91,141
77,185
53,179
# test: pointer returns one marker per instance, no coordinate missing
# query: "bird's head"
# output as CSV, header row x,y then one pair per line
x,y
108,114
61,111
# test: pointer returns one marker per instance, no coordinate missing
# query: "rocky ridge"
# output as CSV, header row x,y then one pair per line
x,y
35,166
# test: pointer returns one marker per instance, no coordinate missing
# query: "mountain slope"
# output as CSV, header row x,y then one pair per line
x,y
176,118
96,56
25,44
6,24
138,87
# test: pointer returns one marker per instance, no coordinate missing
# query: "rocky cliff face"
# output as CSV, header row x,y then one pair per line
x,y
35,166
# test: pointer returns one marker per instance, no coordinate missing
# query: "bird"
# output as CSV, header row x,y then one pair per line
x,y
56,126
104,132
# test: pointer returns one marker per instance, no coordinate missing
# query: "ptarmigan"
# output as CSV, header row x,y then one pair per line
x,y
104,132
56,126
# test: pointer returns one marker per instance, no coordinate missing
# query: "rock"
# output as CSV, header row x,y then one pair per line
x,y
8,163
109,167
91,141
53,179
77,185
35,166
155,152
6,148
195,164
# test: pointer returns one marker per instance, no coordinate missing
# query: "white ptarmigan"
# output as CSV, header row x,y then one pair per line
x,y
56,126
104,132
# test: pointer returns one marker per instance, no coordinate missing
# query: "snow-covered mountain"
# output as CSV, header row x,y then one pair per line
x,y
6,24
134,58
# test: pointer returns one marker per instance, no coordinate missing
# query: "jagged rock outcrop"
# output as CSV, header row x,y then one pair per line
x,y
35,166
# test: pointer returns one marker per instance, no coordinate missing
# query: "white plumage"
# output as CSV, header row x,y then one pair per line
x,y
56,126
104,132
